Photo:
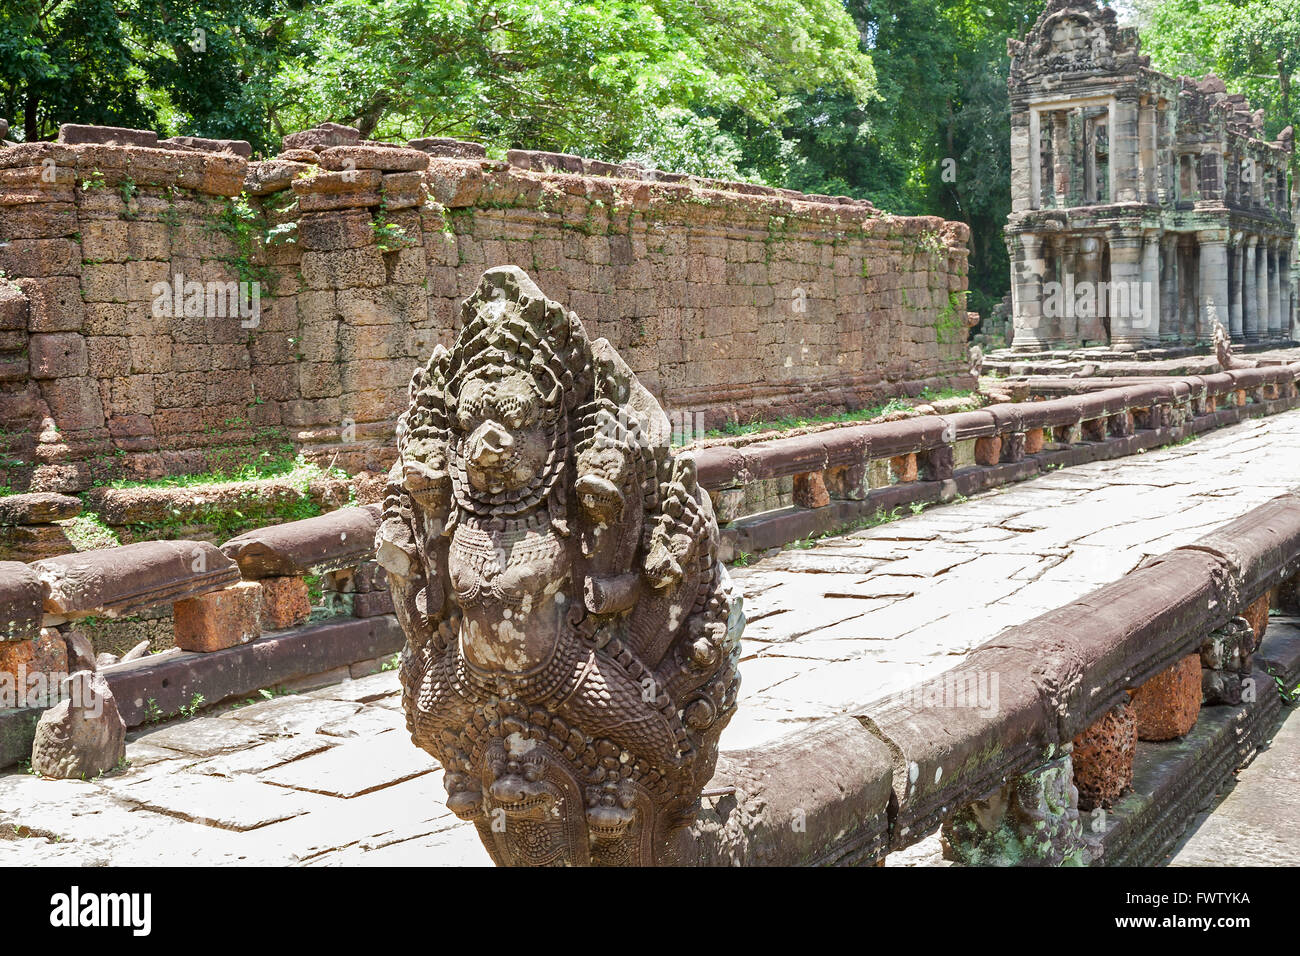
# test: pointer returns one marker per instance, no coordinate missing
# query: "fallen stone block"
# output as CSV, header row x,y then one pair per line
x,y
115,581
449,148
38,508
1167,705
340,539
83,736
1103,758
285,602
22,597
219,619
77,133
33,542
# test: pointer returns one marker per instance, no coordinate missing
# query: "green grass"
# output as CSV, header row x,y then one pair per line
x,y
731,429
266,465
88,532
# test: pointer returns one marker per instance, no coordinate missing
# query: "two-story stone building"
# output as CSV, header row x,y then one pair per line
x,y
1144,208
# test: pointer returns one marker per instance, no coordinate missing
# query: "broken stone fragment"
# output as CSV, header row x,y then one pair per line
x,y
239,147
135,653
115,581
81,653
82,736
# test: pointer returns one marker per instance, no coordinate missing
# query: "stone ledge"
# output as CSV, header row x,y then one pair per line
x,y
271,660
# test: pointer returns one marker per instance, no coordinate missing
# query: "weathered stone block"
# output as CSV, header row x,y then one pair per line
x,y
41,507
58,355
285,602
988,451
1103,758
1167,705
117,580
810,490
22,595
32,669
219,619
372,604
904,467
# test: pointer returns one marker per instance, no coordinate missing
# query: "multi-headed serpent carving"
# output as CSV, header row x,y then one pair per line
x,y
571,636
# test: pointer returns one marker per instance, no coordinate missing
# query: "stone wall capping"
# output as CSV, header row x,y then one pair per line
x,y
816,797
340,539
116,581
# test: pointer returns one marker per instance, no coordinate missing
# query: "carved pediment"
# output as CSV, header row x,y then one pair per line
x,y
1074,36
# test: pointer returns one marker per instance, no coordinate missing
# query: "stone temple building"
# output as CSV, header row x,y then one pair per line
x,y
1144,208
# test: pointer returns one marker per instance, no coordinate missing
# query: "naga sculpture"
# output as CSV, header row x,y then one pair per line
x,y
572,637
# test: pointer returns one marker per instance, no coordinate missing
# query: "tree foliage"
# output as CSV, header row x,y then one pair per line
x,y
1254,45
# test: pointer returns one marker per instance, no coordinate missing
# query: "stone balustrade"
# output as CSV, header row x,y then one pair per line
x,y
769,493
1050,773
240,618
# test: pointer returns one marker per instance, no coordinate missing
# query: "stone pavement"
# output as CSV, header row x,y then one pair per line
x,y
853,618
1250,823
329,777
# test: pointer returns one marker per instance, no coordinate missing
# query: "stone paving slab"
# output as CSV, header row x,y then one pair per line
x,y
355,767
330,778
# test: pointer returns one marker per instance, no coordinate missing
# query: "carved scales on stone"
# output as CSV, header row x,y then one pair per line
x,y
571,636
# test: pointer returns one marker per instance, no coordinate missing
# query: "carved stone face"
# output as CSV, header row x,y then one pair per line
x,y
506,440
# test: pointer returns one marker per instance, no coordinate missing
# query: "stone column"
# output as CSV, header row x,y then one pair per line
x,y
1124,150
1064,328
1214,282
1274,291
1125,306
1147,155
1088,327
1027,268
1250,301
1060,158
1035,160
1286,289
1261,283
1151,289
1170,303
1234,287
1021,165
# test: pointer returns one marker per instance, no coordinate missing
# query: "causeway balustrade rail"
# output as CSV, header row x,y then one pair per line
x,y
767,494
